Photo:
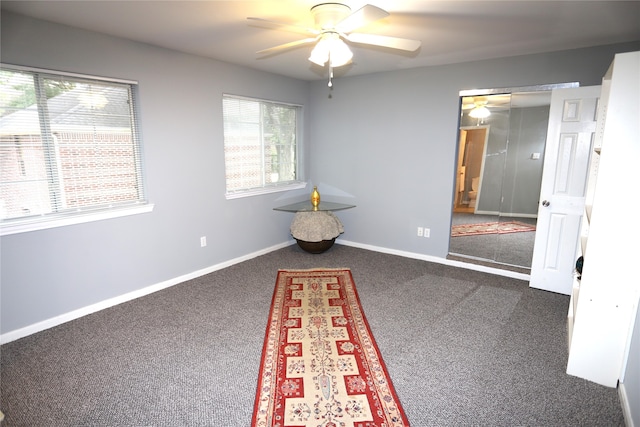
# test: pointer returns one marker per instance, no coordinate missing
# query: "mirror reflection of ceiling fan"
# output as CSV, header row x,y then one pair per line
x,y
335,24
480,106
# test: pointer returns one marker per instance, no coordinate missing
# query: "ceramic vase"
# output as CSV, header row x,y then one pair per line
x,y
315,197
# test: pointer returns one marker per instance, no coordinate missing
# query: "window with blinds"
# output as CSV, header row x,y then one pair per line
x,y
68,145
260,145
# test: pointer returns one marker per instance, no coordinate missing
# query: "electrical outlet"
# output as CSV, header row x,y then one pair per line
x,y
427,232
420,231
203,241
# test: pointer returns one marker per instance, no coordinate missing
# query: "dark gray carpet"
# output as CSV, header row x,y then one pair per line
x,y
462,348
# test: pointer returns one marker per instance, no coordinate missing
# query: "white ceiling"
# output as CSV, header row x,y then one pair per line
x,y
451,31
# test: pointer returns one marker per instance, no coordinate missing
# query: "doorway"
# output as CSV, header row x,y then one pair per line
x,y
471,153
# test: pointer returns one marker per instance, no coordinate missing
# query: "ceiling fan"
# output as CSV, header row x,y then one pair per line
x,y
481,106
334,24
477,105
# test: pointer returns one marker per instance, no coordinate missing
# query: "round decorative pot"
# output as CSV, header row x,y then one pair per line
x,y
316,247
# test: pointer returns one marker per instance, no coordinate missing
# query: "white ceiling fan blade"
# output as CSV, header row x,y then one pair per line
x,y
361,17
281,26
384,41
467,103
286,46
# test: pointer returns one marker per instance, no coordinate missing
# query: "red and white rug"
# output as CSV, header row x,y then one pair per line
x,y
320,364
490,228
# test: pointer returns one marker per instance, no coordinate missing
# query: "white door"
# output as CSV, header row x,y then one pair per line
x,y
570,136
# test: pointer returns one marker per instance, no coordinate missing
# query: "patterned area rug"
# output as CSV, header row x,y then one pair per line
x,y
490,228
320,364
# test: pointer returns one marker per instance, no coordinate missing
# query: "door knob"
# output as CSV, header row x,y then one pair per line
x,y
545,203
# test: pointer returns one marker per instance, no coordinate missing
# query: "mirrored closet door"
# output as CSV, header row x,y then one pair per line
x,y
502,135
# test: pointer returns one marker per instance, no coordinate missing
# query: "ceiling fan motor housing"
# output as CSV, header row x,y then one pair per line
x,y
327,15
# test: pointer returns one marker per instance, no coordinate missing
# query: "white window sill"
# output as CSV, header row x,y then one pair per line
x,y
266,190
43,223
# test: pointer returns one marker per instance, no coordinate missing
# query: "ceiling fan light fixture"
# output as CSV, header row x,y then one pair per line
x,y
480,112
331,48
320,53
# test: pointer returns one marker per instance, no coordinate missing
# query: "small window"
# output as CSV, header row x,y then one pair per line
x,y
69,147
260,146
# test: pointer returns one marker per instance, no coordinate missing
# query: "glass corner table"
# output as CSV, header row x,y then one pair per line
x,y
315,228
306,206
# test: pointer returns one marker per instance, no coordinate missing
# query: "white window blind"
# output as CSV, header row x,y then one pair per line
x,y
68,145
260,145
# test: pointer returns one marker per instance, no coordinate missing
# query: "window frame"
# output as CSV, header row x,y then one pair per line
x,y
296,184
86,214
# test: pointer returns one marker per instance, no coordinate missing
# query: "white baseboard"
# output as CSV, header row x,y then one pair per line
x,y
453,263
626,405
75,314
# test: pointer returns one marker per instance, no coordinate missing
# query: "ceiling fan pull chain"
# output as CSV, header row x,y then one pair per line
x,y
330,75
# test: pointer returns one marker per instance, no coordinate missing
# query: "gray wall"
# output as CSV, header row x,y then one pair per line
x,y
385,142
